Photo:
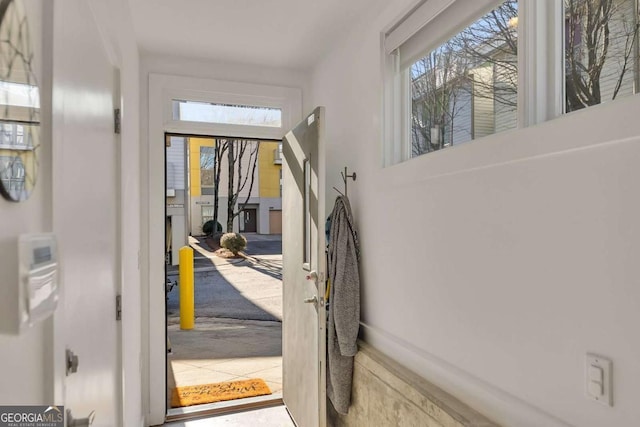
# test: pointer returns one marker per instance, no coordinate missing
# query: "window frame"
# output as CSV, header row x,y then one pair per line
x,y
202,184
540,63
161,89
176,111
286,99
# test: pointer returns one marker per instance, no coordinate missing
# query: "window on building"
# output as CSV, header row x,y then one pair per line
x,y
207,163
601,51
204,112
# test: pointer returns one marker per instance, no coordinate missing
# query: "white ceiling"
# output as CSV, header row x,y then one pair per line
x,y
278,33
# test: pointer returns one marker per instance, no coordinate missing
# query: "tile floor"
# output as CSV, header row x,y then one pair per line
x,y
276,416
220,350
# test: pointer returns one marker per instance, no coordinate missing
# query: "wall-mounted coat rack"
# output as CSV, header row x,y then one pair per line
x,y
345,175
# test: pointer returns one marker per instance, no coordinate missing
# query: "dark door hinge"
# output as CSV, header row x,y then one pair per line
x,y
118,307
117,121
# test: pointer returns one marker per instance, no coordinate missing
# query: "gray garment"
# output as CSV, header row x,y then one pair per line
x,y
344,305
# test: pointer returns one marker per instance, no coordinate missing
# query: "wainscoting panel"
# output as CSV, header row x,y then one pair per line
x,y
388,394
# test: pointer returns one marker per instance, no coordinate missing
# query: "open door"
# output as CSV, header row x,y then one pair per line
x,y
304,342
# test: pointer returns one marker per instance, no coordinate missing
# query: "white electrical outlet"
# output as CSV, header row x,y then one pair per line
x,y
599,379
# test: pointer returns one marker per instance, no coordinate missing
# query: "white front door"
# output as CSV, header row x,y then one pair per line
x,y
303,243
86,209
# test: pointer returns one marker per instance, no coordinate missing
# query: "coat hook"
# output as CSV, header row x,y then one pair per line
x,y
345,175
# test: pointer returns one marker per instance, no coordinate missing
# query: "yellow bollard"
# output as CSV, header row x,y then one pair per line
x,y
187,314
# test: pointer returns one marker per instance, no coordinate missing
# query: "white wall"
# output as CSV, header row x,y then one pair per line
x,y
491,268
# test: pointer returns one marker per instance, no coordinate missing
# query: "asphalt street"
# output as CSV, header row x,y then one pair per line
x,y
246,289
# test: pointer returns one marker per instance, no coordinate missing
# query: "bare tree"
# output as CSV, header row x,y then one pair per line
x,y
239,153
436,91
479,62
597,33
493,41
220,147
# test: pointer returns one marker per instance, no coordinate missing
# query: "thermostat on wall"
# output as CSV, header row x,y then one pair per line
x,y
38,259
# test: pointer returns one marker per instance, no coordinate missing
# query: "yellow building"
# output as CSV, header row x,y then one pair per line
x,y
263,210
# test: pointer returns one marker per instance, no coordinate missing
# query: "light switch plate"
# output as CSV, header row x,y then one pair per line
x,y
599,369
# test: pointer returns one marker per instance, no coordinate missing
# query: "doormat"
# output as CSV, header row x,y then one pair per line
x,y
210,393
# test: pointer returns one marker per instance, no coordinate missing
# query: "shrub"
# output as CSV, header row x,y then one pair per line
x,y
207,227
234,242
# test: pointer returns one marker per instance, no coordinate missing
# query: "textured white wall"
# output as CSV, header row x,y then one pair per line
x,y
493,267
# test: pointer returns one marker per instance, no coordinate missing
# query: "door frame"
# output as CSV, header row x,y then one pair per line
x,y
162,90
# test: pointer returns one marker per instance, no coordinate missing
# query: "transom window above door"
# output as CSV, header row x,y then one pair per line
x,y
205,112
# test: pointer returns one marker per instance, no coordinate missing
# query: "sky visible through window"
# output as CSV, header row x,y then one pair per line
x,y
203,112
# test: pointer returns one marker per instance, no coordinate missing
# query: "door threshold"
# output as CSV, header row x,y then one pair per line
x,y
218,408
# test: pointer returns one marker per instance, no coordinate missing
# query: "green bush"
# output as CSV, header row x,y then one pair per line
x,y
207,227
234,242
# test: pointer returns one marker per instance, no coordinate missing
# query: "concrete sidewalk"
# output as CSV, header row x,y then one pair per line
x,y
238,330
220,350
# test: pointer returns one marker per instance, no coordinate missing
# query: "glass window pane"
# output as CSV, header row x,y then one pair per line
x,y
601,53
192,111
467,87
207,162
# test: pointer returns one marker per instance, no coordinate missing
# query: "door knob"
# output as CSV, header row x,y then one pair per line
x,y
80,422
312,276
72,362
312,300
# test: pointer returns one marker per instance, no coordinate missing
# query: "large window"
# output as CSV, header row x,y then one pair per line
x,y
460,70
467,87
